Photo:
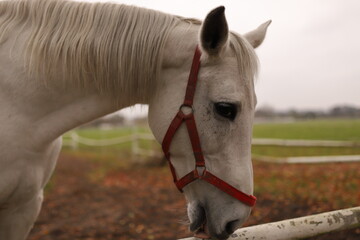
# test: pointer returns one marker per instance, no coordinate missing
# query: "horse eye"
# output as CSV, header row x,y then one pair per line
x,y
226,110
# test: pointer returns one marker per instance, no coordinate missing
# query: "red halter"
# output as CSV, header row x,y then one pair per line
x,y
200,171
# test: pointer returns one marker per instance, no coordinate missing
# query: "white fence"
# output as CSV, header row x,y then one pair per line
x,y
300,228
310,159
304,143
73,140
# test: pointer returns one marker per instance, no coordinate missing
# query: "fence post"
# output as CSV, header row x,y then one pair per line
x,y
135,144
74,143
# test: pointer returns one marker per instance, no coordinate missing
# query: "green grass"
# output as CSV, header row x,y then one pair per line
x,y
328,129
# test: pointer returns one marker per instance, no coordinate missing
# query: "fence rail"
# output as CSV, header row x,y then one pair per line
x,y
256,141
74,140
300,228
310,159
304,143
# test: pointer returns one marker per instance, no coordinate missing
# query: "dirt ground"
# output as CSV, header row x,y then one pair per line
x,y
137,203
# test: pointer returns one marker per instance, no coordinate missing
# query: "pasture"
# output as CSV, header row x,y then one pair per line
x,y
328,129
325,129
99,193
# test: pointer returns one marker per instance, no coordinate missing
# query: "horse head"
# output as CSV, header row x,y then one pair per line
x,y
222,106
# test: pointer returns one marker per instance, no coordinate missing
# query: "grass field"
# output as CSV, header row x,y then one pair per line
x,y
329,129
97,134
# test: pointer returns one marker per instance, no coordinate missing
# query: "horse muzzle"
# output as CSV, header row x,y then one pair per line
x,y
214,223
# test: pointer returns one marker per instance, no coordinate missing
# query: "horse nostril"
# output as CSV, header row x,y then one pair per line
x,y
197,216
230,227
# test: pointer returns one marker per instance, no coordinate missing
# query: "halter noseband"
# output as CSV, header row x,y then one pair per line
x,y
200,171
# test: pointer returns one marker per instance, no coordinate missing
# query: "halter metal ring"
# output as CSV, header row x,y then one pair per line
x,y
200,171
186,109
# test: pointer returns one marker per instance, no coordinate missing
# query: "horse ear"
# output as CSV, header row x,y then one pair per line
x,y
257,36
214,32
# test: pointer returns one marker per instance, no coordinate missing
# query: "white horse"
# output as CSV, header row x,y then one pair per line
x,y
66,63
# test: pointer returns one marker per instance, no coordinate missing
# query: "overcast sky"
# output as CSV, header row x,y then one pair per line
x,y
311,56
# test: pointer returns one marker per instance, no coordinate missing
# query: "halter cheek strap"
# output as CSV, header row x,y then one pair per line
x,y
200,171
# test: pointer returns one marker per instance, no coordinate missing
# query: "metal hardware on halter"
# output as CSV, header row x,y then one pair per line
x,y
200,171
184,106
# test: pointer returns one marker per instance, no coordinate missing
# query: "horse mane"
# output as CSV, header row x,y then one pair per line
x,y
94,44
100,44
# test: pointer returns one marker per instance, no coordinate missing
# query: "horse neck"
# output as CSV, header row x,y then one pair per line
x,y
51,101
43,109
43,113
47,109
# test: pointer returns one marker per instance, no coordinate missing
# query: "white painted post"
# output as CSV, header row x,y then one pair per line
x,y
74,144
299,228
134,143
